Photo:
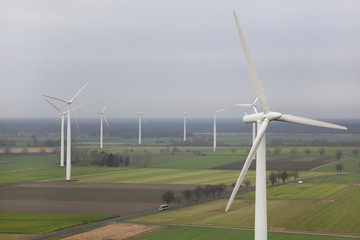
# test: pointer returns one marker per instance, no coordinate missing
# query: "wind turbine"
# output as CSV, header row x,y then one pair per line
x,y
215,114
102,116
185,118
62,114
68,138
263,119
140,114
253,105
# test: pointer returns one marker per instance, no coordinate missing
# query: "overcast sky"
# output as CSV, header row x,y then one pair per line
x,y
166,56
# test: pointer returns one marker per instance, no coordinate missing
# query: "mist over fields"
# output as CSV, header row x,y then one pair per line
x,y
128,128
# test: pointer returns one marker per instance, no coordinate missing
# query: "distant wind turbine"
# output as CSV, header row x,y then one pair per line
x,y
263,119
62,114
68,138
140,114
102,116
253,105
215,114
185,118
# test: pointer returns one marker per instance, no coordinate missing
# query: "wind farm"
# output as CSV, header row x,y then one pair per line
x,y
196,174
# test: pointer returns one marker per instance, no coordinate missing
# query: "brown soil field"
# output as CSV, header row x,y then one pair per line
x,y
31,150
118,231
84,198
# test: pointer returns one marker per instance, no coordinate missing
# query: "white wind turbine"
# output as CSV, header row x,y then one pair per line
x,y
68,138
140,114
259,147
102,116
215,114
253,105
185,118
62,114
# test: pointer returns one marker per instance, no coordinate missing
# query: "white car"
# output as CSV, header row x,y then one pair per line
x,y
163,207
299,182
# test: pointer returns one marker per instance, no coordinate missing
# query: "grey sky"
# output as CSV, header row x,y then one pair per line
x,y
165,56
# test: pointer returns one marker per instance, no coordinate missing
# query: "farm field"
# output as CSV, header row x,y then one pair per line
x,y
207,233
99,190
332,211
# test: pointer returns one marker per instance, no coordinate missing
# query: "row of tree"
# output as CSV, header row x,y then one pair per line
x,y
197,193
282,175
128,158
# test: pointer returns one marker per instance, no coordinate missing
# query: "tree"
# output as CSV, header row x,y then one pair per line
x,y
307,151
321,151
168,196
178,199
355,152
24,150
277,151
293,151
247,183
294,174
213,190
233,150
272,177
197,192
187,194
339,167
338,154
220,188
7,150
207,190
284,175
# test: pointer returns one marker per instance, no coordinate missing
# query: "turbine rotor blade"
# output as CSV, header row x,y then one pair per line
x,y
244,104
248,161
78,92
61,112
255,79
213,110
221,110
62,100
73,111
105,108
307,121
107,123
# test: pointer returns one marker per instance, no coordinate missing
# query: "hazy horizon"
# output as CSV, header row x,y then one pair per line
x,y
168,56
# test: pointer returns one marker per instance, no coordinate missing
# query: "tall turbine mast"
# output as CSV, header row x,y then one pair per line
x,y
263,119
214,128
185,118
102,116
68,149
140,114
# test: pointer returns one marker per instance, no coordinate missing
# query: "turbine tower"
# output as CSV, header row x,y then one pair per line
x,y
215,114
140,114
62,115
185,118
263,119
102,116
68,138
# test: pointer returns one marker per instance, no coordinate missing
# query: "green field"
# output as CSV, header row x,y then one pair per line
x,y
43,223
207,233
299,207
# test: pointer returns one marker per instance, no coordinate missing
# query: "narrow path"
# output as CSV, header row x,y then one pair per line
x,y
345,158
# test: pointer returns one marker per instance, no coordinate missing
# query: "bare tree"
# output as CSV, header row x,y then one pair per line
x,y
293,151
220,188
198,192
355,152
338,154
284,175
233,150
321,151
272,177
247,183
168,196
277,151
307,151
187,194
339,167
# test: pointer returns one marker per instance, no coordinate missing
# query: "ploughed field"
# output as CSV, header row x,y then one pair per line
x,y
84,198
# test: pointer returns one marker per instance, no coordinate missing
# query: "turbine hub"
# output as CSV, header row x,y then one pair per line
x,y
253,118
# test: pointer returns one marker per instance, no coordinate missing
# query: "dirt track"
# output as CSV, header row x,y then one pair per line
x,y
84,198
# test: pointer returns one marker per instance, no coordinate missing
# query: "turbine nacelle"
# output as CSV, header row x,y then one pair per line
x,y
255,117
